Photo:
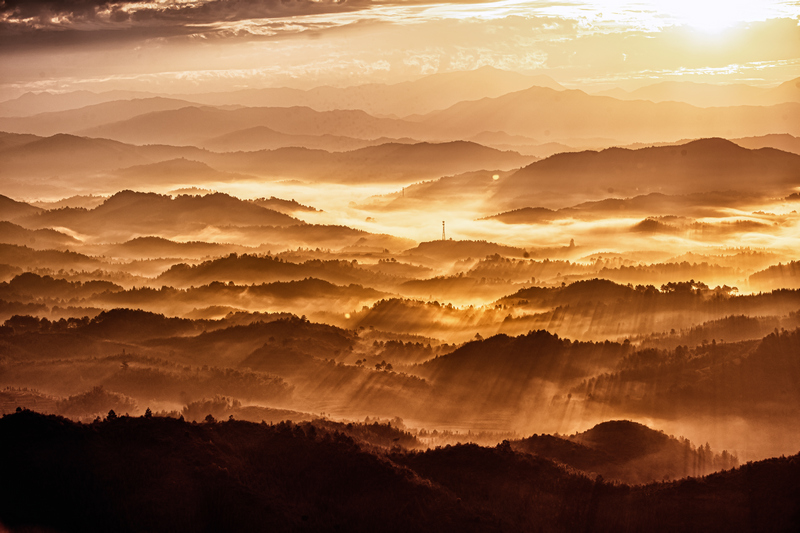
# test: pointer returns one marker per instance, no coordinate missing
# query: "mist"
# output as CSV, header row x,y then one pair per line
x,y
459,288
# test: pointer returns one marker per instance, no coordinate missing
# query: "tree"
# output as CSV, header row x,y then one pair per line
x,y
111,415
210,419
148,413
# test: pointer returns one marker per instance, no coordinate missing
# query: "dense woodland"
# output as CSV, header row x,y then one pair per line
x,y
152,473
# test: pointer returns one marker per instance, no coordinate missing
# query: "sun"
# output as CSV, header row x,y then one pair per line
x,y
712,16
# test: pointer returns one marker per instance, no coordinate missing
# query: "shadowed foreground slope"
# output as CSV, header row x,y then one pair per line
x,y
159,474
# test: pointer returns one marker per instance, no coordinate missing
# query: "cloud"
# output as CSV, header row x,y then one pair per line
x,y
56,44
42,23
64,14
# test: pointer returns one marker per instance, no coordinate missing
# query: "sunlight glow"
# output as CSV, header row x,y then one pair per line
x,y
713,16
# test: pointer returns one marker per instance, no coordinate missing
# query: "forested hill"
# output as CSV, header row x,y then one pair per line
x,y
163,474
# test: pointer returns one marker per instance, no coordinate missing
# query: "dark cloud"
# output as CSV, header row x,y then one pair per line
x,y
234,10
43,23
70,11
42,11
20,15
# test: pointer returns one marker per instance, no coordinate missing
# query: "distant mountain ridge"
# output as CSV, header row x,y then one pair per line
x,y
698,166
263,138
709,95
435,91
540,112
428,93
32,103
75,120
194,125
126,165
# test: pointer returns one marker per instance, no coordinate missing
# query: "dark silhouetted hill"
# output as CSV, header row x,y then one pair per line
x,y
745,379
456,289
497,371
776,277
279,478
703,204
450,250
24,257
40,239
319,236
129,212
12,209
138,325
163,474
155,247
96,402
32,287
13,140
87,201
249,269
699,166
288,207
628,452
385,163
308,295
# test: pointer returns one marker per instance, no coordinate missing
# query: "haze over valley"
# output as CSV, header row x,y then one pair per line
x,y
269,267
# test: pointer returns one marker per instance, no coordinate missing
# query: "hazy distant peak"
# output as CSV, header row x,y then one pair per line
x,y
779,141
61,139
66,142
713,143
710,94
793,84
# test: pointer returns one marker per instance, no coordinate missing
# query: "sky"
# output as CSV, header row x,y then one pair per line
x,y
185,46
